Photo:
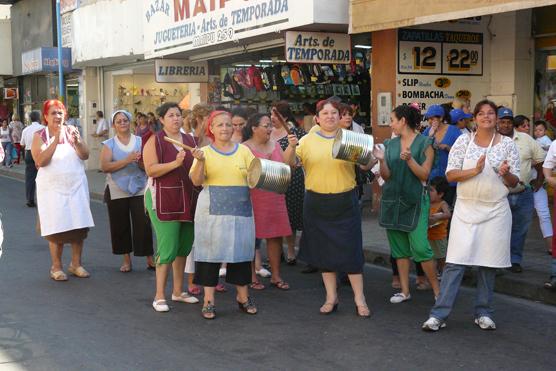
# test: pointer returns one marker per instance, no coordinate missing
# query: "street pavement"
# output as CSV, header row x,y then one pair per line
x,y
106,322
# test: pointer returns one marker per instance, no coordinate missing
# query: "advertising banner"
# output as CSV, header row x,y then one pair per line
x,y
318,47
180,71
45,60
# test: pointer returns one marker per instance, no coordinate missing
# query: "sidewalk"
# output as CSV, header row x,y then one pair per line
x,y
536,264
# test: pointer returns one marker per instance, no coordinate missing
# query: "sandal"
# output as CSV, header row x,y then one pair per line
x,y
125,268
551,284
424,286
362,311
282,285
291,261
220,288
328,308
208,311
248,307
78,272
195,290
257,286
58,276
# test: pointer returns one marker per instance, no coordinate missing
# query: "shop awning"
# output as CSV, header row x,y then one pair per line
x,y
376,15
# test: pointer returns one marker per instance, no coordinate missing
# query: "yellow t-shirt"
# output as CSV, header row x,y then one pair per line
x,y
323,173
225,169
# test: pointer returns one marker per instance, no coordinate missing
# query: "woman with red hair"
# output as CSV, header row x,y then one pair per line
x,y
62,189
224,226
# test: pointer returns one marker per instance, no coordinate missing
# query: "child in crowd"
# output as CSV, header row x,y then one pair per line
x,y
439,216
540,135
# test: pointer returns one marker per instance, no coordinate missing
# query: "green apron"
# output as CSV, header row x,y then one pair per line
x,y
400,204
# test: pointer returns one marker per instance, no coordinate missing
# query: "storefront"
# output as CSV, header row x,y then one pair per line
x,y
545,64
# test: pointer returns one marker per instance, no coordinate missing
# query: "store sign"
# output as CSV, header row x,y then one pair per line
x,y
67,25
318,47
45,60
436,67
173,26
440,52
11,93
178,70
68,5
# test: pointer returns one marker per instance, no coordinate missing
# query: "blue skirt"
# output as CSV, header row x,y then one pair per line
x,y
332,239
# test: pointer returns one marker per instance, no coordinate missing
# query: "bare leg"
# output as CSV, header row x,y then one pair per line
x,y
76,250
548,242
209,296
178,267
56,256
403,269
126,264
274,249
291,245
329,279
356,281
258,262
430,271
150,261
161,277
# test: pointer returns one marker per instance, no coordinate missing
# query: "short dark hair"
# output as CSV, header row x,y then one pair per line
x,y
520,119
411,115
485,102
240,112
541,123
35,116
100,114
440,184
164,108
252,122
345,108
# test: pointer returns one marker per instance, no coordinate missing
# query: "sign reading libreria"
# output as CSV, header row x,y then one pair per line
x,y
173,26
180,71
317,47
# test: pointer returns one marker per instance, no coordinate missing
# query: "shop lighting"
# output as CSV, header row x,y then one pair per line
x,y
363,47
271,61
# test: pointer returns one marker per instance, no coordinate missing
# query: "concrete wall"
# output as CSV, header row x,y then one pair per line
x,y
6,47
331,11
107,32
31,28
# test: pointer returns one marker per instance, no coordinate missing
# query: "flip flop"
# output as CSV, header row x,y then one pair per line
x,y
125,268
58,276
257,286
282,285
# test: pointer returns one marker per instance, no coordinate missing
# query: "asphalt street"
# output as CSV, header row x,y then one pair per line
x,y
106,322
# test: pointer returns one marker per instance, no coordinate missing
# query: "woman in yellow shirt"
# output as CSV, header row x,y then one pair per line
x,y
331,238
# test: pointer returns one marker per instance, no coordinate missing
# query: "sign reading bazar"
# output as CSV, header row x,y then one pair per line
x,y
317,47
178,70
173,26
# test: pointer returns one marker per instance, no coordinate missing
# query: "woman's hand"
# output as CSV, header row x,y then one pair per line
x,y
504,169
180,157
444,147
405,155
480,164
378,153
292,140
198,154
133,157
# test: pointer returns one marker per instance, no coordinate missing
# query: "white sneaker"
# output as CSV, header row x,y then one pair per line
x,y
222,272
485,323
399,298
185,298
263,272
160,305
433,324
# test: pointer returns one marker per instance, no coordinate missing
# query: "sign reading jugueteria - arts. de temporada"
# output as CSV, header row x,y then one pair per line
x,y
317,47
180,25
180,71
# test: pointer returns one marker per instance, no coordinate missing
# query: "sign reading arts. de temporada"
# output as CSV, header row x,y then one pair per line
x,y
172,26
317,47
180,71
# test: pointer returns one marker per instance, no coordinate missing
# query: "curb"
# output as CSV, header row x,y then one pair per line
x,y
506,283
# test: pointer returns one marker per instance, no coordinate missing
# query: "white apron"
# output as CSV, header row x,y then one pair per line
x,y
62,191
482,222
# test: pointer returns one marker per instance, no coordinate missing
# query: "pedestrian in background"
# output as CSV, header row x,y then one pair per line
x,y
130,228
30,167
521,196
269,209
331,238
6,140
170,200
484,164
548,167
141,124
405,166
224,226
102,126
62,189
239,119
16,126
439,216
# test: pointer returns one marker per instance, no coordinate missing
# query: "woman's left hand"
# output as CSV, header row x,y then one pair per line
x,y
198,154
292,140
504,169
405,155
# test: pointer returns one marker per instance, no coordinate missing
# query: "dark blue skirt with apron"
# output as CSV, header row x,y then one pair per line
x,y
331,239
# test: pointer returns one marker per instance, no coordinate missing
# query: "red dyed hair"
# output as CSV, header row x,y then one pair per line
x,y
209,122
53,103
324,102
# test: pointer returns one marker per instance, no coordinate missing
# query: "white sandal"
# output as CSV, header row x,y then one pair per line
x,y
185,298
160,305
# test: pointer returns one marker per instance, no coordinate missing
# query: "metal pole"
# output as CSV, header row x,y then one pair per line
x,y
61,90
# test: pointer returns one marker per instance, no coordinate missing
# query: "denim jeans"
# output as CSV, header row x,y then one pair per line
x,y
7,146
449,288
522,206
553,271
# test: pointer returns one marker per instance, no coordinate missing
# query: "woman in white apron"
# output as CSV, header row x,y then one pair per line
x,y
62,189
484,164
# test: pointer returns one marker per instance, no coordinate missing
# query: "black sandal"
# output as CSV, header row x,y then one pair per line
x,y
209,311
550,285
248,307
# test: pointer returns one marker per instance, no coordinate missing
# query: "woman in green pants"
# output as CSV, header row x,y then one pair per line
x,y
405,164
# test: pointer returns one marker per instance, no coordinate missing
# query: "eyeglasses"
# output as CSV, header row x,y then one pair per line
x,y
267,126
